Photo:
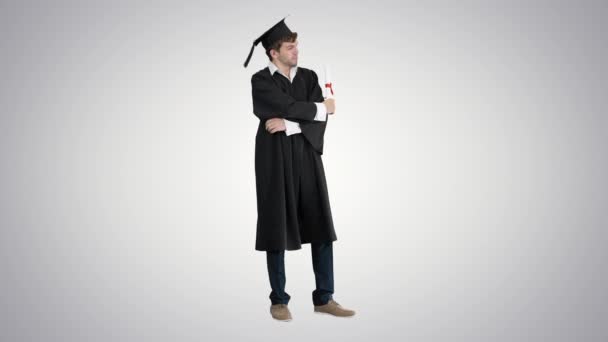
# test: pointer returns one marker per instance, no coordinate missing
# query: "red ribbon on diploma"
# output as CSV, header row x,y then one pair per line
x,y
328,85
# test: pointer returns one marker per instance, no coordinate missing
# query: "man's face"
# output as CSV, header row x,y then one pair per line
x,y
288,54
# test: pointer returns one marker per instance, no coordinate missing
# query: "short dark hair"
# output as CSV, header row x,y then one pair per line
x,y
277,45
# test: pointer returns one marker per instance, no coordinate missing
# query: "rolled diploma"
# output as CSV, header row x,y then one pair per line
x,y
327,85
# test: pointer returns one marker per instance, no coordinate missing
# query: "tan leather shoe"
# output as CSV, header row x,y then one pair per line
x,y
333,308
280,312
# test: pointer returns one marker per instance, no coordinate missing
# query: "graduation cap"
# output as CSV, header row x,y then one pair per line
x,y
275,33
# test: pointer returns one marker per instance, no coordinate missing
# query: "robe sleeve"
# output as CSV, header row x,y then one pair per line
x,y
316,93
315,131
269,101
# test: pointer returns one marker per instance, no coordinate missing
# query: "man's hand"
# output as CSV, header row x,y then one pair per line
x,y
275,125
330,104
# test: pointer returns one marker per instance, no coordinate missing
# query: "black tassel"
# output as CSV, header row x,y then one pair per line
x,y
249,57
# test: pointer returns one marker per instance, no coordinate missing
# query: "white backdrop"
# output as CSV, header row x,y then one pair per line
x,y
466,169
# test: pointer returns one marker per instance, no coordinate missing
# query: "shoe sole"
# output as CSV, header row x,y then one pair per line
x,y
326,313
282,320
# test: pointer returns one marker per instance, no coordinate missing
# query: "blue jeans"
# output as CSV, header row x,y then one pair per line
x,y
322,264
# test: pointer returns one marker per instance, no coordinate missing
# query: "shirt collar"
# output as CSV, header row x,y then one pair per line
x,y
292,72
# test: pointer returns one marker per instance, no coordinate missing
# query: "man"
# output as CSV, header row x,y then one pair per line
x,y
292,196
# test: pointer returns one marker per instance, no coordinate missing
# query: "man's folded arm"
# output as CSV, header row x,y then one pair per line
x,y
269,101
319,117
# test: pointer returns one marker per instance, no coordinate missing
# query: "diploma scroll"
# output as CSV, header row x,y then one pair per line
x,y
328,91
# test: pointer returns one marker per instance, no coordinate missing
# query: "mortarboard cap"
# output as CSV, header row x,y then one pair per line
x,y
278,31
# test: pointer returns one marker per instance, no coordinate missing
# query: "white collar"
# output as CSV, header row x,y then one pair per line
x,y
292,72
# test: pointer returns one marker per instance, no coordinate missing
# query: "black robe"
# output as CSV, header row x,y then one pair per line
x,y
283,222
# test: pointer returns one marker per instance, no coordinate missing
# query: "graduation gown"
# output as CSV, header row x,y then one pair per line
x,y
292,197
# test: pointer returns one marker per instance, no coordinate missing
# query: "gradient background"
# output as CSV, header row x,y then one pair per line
x,y
466,166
